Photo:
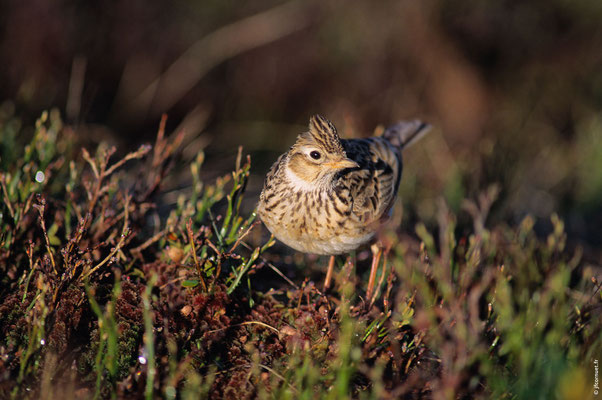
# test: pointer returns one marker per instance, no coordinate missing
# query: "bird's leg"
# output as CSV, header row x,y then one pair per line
x,y
377,251
329,273
382,277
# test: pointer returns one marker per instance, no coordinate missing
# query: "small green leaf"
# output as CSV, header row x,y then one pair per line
x,y
54,241
190,283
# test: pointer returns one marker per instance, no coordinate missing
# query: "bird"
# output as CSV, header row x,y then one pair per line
x,y
329,196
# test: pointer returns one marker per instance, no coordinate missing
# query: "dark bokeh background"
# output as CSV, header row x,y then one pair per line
x,y
513,88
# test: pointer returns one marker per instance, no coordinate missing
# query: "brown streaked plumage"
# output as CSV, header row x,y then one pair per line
x,y
328,195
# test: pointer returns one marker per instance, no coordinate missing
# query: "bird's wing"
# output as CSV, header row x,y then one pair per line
x,y
373,186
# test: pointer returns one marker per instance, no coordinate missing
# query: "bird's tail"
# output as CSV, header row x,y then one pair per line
x,y
406,133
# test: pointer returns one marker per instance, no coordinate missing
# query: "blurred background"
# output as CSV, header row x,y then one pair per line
x,y
513,88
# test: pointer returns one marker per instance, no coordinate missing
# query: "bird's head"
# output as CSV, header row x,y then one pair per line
x,y
317,155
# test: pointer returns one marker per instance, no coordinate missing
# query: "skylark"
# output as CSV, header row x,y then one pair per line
x,y
328,195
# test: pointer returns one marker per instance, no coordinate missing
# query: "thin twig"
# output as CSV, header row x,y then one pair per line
x,y
41,207
214,248
124,233
153,239
141,152
241,237
171,282
87,157
247,323
273,267
193,251
6,198
270,370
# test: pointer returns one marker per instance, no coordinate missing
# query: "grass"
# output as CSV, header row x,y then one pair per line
x,y
103,295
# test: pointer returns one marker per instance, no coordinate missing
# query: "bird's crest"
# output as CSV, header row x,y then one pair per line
x,y
323,132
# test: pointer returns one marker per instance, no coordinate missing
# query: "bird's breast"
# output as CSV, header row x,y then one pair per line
x,y
316,222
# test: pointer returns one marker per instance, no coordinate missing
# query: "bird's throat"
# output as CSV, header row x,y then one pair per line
x,y
299,179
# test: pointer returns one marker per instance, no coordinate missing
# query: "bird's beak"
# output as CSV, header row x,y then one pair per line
x,y
343,163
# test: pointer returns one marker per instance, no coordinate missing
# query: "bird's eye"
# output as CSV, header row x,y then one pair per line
x,y
315,155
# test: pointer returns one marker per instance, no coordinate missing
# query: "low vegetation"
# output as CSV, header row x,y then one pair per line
x,y
107,292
